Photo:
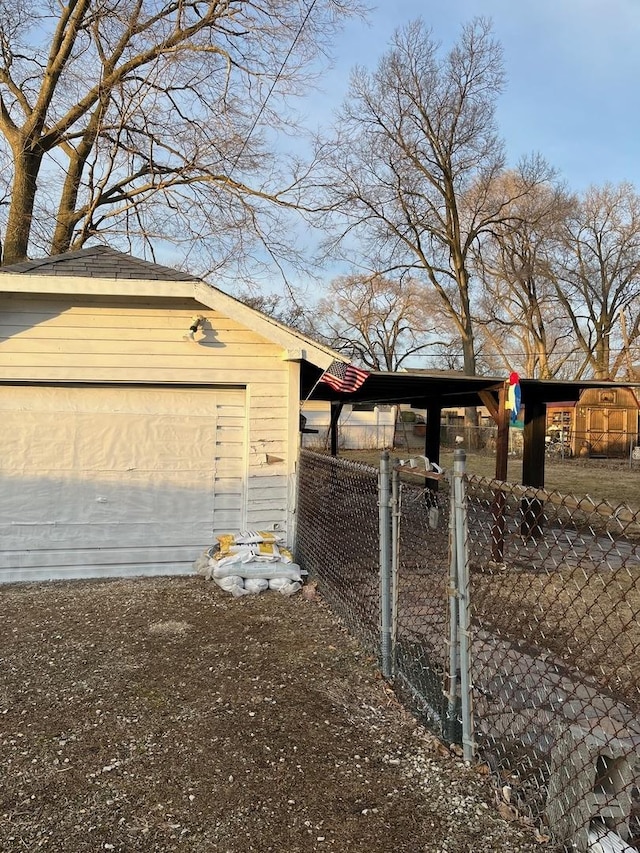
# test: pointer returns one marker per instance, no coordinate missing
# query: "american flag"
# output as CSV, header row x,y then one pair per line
x,y
344,377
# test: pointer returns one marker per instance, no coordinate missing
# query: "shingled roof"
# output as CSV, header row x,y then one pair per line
x,y
98,262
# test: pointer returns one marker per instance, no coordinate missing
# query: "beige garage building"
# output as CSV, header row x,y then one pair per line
x,y
142,412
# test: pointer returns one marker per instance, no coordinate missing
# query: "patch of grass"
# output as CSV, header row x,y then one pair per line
x,y
589,620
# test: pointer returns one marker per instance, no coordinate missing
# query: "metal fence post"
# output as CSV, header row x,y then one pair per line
x,y
395,561
384,505
462,560
453,701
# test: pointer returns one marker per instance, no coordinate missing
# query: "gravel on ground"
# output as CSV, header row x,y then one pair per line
x,y
162,714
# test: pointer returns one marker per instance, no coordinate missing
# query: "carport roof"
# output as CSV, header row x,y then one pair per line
x,y
447,388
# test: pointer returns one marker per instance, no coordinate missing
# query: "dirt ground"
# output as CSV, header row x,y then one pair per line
x,y
162,714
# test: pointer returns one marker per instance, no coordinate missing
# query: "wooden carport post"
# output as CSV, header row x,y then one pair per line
x,y
500,414
433,409
336,409
535,425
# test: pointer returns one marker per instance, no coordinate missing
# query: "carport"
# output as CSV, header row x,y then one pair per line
x,y
437,390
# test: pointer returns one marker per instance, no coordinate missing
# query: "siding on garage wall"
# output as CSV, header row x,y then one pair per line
x,y
99,339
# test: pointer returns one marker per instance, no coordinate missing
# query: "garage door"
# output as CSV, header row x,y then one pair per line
x,y
103,481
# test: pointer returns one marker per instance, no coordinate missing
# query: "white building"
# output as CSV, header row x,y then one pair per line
x,y
142,412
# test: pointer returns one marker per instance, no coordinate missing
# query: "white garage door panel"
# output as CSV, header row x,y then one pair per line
x,y
77,502
84,442
148,474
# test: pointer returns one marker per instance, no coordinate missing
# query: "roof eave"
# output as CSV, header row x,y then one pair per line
x,y
89,286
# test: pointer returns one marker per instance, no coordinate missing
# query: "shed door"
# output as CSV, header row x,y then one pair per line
x,y
596,430
618,441
117,480
607,431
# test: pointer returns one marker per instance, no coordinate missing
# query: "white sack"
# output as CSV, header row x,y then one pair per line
x,y
291,571
256,585
233,584
290,587
201,565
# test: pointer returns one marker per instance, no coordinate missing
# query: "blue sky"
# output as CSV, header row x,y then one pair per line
x,y
572,68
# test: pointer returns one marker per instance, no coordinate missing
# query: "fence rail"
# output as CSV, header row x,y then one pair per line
x,y
514,626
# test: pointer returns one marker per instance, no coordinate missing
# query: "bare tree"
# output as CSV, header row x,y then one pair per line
x,y
523,323
287,308
626,363
412,168
598,281
380,322
149,120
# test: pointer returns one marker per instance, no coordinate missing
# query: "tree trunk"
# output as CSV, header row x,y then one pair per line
x,y
67,214
25,184
469,362
601,370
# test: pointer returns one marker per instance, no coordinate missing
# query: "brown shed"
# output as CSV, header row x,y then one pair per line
x,y
604,422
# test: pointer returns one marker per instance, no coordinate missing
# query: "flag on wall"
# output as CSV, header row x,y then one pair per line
x,y
344,377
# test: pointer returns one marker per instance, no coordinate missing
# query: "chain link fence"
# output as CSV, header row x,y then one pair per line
x,y
555,666
420,614
338,543
337,539
514,623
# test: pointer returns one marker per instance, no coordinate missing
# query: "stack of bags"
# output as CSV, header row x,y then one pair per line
x,y
250,562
